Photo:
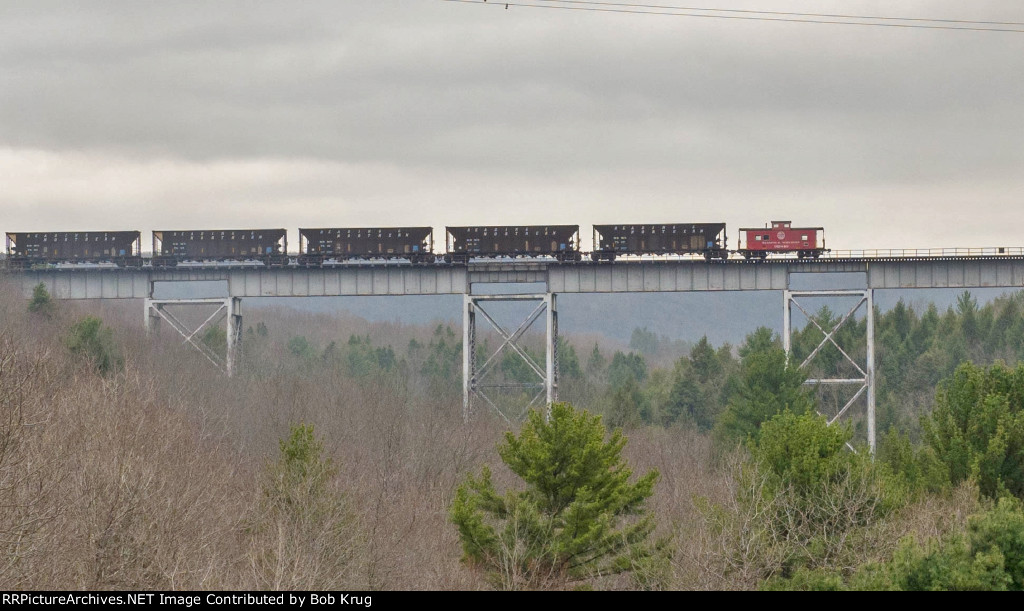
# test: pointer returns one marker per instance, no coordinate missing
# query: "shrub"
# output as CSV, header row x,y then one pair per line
x,y
989,556
977,427
89,338
304,536
804,502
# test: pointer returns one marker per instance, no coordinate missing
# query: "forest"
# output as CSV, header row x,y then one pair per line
x,y
337,457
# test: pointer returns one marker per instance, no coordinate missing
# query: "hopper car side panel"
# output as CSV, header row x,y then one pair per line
x,y
708,239
120,247
267,245
413,243
559,241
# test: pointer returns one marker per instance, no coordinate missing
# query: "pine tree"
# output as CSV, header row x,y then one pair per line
x,y
579,515
596,364
761,340
304,535
89,338
977,427
686,403
629,407
41,302
768,385
626,366
705,360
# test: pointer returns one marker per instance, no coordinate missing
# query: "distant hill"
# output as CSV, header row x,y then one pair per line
x,y
723,317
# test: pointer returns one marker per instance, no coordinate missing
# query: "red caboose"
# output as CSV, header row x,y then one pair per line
x,y
782,238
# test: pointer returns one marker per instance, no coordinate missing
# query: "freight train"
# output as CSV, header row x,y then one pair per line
x,y
327,246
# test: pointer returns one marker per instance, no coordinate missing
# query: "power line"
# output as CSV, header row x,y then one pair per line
x,y
780,13
678,13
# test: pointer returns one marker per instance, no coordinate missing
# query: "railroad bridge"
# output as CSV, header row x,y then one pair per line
x,y
867,271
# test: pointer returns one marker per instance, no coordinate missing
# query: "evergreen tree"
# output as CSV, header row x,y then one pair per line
x,y
705,360
303,520
967,309
767,386
977,427
515,369
643,341
596,364
41,302
687,403
626,366
989,556
89,338
299,346
216,338
761,340
443,362
628,406
578,517
568,362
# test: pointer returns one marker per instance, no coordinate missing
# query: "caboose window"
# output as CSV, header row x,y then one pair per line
x,y
803,237
758,237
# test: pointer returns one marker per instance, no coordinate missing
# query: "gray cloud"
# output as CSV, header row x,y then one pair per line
x,y
428,111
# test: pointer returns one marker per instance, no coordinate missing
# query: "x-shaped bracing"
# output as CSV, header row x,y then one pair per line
x,y
866,382
510,340
225,308
473,375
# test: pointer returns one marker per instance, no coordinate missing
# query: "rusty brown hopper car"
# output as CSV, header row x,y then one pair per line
x,y
559,241
120,247
707,239
413,243
269,246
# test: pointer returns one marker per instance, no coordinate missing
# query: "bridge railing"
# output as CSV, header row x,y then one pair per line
x,y
989,251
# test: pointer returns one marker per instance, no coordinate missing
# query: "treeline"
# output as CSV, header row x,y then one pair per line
x,y
914,351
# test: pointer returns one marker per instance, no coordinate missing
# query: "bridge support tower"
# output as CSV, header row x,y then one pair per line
x,y
864,378
223,309
475,386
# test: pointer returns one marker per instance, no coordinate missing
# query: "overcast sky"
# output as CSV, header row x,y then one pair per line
x,y
163,115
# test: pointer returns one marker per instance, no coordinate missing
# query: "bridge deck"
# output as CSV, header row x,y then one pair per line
x,y
583,277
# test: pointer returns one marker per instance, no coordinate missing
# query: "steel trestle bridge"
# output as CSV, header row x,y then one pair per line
x,y
879,269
